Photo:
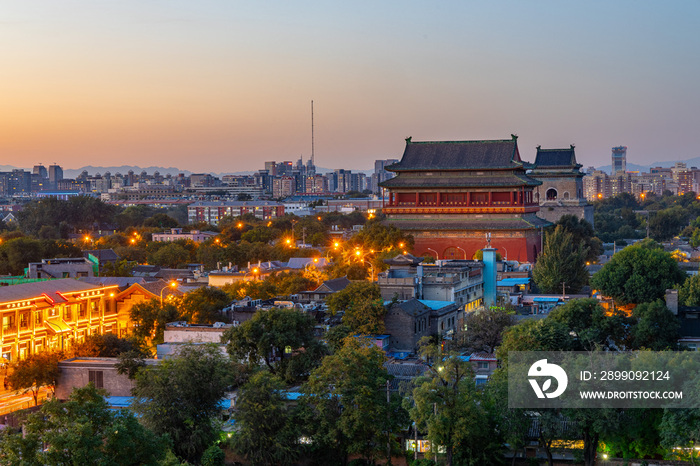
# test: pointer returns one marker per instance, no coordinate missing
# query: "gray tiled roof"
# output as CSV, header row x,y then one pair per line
x,y
555,158
413,307
459,155
50,287
462,181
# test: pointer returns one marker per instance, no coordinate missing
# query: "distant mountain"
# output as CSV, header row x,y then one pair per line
x,y
631,167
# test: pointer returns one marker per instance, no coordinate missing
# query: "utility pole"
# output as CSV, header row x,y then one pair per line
x,y
563,289
434,447
388,424
415,437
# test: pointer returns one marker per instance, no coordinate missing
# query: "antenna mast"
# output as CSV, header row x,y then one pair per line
x,y
313,163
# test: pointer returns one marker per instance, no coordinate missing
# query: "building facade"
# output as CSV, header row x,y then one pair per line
x,y
561,192
51,315
451,195
619,160
213,212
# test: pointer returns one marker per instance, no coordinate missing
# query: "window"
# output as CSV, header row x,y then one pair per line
x,y
96,378
8,323
24,320
82,309
38,318
67,314
483,365
52,312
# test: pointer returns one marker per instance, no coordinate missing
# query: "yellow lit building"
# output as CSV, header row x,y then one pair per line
x,y
51,315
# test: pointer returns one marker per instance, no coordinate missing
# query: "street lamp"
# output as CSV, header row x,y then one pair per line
x,y
172,285
254,272
506,253
465,252
436,253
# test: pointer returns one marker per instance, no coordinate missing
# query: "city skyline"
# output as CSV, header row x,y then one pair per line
x,y
223,87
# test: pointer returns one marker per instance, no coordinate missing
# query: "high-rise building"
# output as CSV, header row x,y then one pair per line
x,y
55,175
380,174
619,160
40,170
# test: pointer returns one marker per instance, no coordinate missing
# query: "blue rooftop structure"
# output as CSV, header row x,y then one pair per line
x,y
435,305
513,282
545,299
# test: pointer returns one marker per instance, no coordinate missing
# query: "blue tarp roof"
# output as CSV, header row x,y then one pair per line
x,y
118,401
543,299
125,402
513,281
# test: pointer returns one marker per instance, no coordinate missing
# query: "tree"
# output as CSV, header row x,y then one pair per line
x,y
34,372
689,292
161,220
16,253
204,305
666,224
562,261
267,434
82,430
149,319
283,339
483,330
447,406
180,397
172,255
639,273
590,326
362,306
103,346
656,327
122,268
345,405
582,233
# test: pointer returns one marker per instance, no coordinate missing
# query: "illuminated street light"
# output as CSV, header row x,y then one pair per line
x,y
172,285
437,256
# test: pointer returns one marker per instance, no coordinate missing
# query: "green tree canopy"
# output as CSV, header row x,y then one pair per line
x,y
448,407
34,372
656,327
103,346
345,404
689,292
180,397
483,330
640,273
82,430
283,339
203,305
267,434
582,233
362,306
562,261
589,325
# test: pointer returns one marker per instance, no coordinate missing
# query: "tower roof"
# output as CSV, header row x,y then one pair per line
x,y
559,158
459,155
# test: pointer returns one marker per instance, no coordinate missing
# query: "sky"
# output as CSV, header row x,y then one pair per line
x,y
224,85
